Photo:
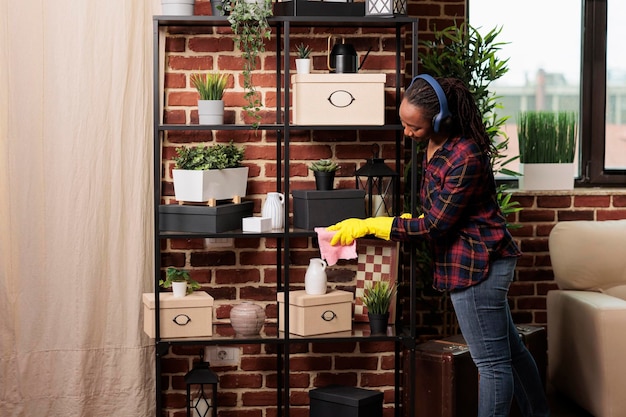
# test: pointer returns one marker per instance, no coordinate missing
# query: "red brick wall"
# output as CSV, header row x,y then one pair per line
x,y
541,212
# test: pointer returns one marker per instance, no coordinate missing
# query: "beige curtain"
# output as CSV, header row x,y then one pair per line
x,y
75,207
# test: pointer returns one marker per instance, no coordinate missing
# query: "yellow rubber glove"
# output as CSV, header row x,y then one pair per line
x,y
350,229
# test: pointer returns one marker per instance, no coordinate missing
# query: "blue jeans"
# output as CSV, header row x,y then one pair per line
x,y
505,366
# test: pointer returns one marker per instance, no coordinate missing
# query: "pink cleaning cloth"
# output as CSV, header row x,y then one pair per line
x,y
332,253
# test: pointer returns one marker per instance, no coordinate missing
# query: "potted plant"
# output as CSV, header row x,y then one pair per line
x,y
462,52
177,7
211,88
209,173
248,21
324,171
377,299
547,145
303,60
180,281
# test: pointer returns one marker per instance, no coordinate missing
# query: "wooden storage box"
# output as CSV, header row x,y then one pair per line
x,y
338,99
189,316
316,314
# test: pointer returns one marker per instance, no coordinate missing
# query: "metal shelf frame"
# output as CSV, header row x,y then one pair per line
x,y
282,25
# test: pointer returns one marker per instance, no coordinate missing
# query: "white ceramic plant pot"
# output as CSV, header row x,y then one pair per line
x,y
303,65
177,7
179,288
211,112
547,177
218,184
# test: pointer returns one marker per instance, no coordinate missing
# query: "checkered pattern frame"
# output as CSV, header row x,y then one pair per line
x,y
378,261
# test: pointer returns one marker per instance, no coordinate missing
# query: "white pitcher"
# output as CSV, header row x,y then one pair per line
x,y
315,277
274,208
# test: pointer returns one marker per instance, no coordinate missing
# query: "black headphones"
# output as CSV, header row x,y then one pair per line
x,y
441,96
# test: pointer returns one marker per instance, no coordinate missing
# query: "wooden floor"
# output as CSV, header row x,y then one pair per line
x,y
561,406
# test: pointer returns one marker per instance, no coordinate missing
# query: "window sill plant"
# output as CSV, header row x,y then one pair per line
x,y
547,142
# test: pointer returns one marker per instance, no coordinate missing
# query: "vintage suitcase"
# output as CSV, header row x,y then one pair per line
x,y
456,388
535,339
446,380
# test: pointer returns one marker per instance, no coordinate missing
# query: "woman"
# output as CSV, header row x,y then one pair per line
x,y
474,253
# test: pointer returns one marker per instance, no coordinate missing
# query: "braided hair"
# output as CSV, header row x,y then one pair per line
x,y
466,119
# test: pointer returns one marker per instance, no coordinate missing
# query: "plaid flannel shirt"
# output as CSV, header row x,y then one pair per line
x,y
462,219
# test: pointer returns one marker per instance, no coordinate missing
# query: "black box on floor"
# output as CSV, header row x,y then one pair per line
x,y
203,219
342,401
315,208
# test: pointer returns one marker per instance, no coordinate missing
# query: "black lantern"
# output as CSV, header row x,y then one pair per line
x,y
380,184
201,375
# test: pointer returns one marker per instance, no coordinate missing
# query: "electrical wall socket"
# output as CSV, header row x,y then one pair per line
x,y
222,356
219,242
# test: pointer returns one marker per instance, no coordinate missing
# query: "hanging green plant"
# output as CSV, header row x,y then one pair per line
x,y
248,21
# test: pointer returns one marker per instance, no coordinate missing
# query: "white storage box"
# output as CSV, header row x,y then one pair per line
x,y
189,316
338,99
316,314
256,224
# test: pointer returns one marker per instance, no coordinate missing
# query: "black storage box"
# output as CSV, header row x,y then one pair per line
x,y
342,401
314,208
203,219
318,8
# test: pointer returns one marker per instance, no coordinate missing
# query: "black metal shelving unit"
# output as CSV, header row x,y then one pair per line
x,y
403,337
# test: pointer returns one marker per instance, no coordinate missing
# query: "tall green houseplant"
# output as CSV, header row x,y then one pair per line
x,y
462,52
248,21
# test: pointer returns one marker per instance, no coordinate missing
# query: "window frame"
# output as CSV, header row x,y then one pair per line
x,y
593,84
593,99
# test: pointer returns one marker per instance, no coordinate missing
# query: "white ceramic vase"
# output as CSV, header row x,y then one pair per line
x,y
315,277
274,208
247,318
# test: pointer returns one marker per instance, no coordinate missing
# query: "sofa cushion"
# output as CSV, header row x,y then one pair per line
x,y
588,254
618,291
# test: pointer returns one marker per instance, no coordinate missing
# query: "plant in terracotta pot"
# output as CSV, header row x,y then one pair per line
x,y
324,171
248,21
207,173
377,299
210,87
180,281
303,60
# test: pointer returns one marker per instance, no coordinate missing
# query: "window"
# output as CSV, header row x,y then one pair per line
x,y
554,65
